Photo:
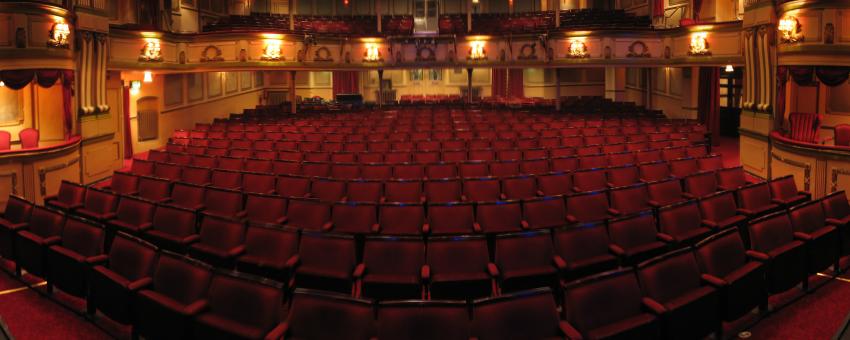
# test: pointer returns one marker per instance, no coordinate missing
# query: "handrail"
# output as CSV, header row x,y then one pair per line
x,y
778,136
41,150
93,4
669,12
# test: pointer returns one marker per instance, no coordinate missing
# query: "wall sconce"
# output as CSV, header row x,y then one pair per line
x,y
790,30
148,77
135,86
474,2
2,84
59,35
373,53
476,50
578,48
271,52
152,51
699,44
730,69
345,2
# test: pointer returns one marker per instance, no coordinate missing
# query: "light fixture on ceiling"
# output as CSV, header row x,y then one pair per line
x,y
730,69
148,77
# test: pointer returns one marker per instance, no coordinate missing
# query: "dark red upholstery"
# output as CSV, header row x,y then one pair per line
x,y
240,307
654,172
165,309
525,315
16,217
70,196
544,213
288,186
81,247
133,216
265,209
623,176
837,212
482,190
675,291
114,284
587,207
754,200
772,243
307,214
172,228
719,212
700,184
327,190
327,262
460,268
451,218
196,175
682,223
784,191
525,260
821,240
629,200
223,202
392,268
44,230
590,180
188,196
403,191
221,241
123,183
262,183
681,168
355,218
364,191
313,311
499,217
154,189
29,138
635,238
520,187
142,167
724,264
98,205
401,219
608,306
269,251
665,192
169,171
731,178
555,184
582,250
423,320
443,190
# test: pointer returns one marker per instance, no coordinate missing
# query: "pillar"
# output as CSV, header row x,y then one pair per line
x,y
378,13
557,13
469,15
292,8
380,88
292,103
557,89
469,86
615,83
690,93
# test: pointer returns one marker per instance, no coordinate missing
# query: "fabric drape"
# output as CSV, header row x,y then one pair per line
x,y
516,87
18,79
697,8
658,8
67,102
709,101
832,75
781,84
345,82
128,135
499,82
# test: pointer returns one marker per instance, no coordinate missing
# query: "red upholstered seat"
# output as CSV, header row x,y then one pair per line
x,y
754,200
5,140
784,191
81,247
44,230
423,320
524,315
133,216
629,200
731,178
402,219
115,283
482,189
172,228
327,262
583,250
719,212
355,218
313,311
29,138
682,223
265,209
666,192
123,183
270,252
700,184
635,238
837,212
525,260
587,207
772,242
820,239
258,183
16,217
220,241
392,268
240,307
70,196
154,189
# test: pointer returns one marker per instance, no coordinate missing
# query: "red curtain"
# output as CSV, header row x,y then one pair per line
x,y
128,135
658,8
516,87
67,103
345,82
697,8
782,81
709,101
499,82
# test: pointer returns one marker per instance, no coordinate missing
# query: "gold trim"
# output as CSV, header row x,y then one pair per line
x,y
807,169
14,176
19,289
42,173
835,173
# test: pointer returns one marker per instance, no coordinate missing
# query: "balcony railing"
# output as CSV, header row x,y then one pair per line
x,y
92,4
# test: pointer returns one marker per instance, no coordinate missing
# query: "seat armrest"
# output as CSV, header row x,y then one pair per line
x,y
277,332
97,259
426,228
327,226
236,251
359,271
569,331
613,212
776,201
709,224
664,237
653,306
476,227
744,211
293,261
802,236
540,193
571,219
422,199
577,189
524,224
559,262
503,197
281,220
688,195
140,283
197,307
834,221
145,226
52,240
109,215
617,250
654,203
425,273
192,238
492,269
758,256
376,228
713,280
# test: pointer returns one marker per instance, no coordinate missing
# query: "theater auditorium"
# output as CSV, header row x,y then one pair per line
x,y
424,169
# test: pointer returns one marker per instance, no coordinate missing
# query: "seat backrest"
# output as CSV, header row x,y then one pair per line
x,y
313,311
124,183
18,210
590,180
5,140
29,138
401,218
525,315
195,175
499,217
221,233
174,221
584,242
602,300
588,207
683,167
754,196
623,176
328,252
222,201
524,250
131,257
722,253
451,218
679,218
272,245
718,207
457,255
665,192
731,178
187,195
442,191
701,184
135,211
327,190
669,276
482,189
423,320
288,186
180,278
635,230
245,301
771,232
45,222
783,187
154,189
521,187
808,217
654,171
631,199
804,126
544,212
260,183
842,135
306,214
835,205
355,218
83,237
394,256
555,184
71,193
403,191
260,208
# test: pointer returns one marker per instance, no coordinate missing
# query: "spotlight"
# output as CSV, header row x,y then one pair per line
x,y
148,77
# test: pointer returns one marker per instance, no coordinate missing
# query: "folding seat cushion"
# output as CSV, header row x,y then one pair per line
x,y
308,214
223,202
258,165
355,218
127,270
590,180
142,167
651,172
821,240
629,200
460,268
682,223
772,243
482,190
710,163
69,197
402,219
221,241
240,307
587,207
525,260
154,189
15,218
608,306
837,212
674,291
442,191
555,184
123,183
326,190
258,183
724,264
326,262
784,191
392,268
664,193
499,217
681,168
423,320
754,200
132,216
311,169
364,191
634,238
403,191
544,213
583,250
290,186
312,312
521,187
81,247
269,252
731,178
172,228
265,209
188,196
524,315
30,246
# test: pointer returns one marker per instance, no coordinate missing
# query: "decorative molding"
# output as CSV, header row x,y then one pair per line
x,y
807,169
528,52
835,172
638,49
14,176
211,54
425,53
323,54
42,173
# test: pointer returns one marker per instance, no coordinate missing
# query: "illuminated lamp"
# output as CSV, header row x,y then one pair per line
x,y
699,44
578,48
271,51
373,53
2,84
151,51
345,2
476,50
730,69
475,2
790,30
148,77
59,35
135,86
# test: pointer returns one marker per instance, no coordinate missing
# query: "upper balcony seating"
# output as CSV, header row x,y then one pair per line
x,y
498,23
591,18
358,25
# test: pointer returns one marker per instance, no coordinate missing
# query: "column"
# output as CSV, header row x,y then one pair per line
x,y
378,12
293,105
469,86
469,15
380,88
292,8
557,89
615,83
557,13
